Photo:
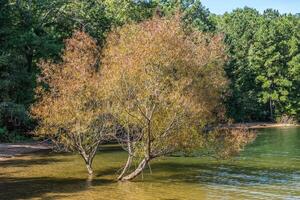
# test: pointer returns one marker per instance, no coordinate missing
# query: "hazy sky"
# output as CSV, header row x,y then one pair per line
x,y
284,6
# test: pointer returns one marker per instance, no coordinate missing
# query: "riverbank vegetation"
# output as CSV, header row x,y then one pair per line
x,y
262,52
151,75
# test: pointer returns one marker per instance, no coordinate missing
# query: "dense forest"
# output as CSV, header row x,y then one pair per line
x,y
262,65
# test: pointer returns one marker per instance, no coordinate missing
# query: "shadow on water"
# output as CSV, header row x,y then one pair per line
x,y
112,171
14,186
27,163
271,165
26,188
110,148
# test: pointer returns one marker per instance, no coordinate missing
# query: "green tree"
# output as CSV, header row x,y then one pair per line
x,y
263,54
17,78
121,12
294,68
239,28
90,16
194,14
269,60
30,31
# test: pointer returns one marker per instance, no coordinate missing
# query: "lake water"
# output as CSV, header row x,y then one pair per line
x,y
269,168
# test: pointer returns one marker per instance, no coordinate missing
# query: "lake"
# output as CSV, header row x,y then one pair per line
x,y
269,168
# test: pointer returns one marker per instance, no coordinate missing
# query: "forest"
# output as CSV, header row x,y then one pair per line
x,y
261,55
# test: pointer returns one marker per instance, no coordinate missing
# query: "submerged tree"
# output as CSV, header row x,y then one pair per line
x,y
164,84
69,104
224,143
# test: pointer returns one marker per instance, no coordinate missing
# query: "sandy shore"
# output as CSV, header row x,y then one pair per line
x,y
8,150
259,125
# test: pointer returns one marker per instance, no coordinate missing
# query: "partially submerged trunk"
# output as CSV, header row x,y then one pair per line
x,y
137,171
126,167
88,159
89,168
129,159
87,150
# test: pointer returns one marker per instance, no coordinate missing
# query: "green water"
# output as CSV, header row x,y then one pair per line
x,y
269,168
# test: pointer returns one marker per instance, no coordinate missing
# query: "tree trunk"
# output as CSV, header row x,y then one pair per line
x,y
271,110
89,168
125,169
88,162
137,171
129,159
89,157
29,58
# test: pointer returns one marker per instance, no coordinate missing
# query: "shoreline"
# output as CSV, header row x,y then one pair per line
x,y
11,150
261,125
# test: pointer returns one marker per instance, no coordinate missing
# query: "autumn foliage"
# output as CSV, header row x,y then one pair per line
x,y
69,104
225,143
153,88
164,84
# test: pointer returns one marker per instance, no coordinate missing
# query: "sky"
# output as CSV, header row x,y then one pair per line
x,y
284,6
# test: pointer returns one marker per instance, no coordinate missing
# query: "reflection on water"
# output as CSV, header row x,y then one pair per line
x,y
269,168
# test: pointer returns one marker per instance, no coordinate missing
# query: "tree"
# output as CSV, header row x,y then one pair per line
x,y
17,82
125,11
269,60
69,103
34,30
294,69
239,28
28,33
90,16
194,14
224,143
163,85
262,50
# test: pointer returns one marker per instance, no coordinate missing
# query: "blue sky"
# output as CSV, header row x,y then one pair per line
x,y
284,6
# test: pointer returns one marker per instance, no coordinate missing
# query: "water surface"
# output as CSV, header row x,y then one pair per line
x,y
269,168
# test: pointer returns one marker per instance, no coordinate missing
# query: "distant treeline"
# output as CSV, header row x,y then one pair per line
x,y
263,64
